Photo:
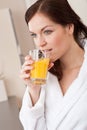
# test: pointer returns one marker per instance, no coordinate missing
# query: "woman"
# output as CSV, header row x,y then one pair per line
x,y
61,104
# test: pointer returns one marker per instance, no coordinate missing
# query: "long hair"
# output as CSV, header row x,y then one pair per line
x,y
59,11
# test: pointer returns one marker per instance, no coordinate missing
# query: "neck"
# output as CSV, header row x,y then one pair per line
x,y
73,58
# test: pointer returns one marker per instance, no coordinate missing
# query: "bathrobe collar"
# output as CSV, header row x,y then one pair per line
x,y
73,94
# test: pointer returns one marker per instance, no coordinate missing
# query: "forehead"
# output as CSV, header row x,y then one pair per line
x,y
39,21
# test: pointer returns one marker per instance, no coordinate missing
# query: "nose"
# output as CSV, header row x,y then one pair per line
x,y
41,42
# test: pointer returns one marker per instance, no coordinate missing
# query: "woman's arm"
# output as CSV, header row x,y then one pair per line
x,y
32,117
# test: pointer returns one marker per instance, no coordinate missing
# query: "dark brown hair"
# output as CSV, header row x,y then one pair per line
x,y
59,11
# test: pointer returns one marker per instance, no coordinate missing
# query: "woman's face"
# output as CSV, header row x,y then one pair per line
x,y
50,36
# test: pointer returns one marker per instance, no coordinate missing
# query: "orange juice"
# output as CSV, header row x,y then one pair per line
x,y
39,73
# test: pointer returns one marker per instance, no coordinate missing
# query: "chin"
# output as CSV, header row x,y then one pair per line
x,y
53,60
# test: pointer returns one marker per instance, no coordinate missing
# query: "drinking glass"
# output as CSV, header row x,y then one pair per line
x,y
38,74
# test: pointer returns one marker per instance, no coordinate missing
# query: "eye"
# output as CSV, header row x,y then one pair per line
x,y
33,35
48,32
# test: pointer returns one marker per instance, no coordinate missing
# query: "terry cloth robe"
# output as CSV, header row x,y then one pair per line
x,y
53,111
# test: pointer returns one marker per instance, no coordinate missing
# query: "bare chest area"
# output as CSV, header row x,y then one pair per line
x,y
68,78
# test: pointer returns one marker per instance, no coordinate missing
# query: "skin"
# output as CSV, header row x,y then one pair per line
x,y
59,42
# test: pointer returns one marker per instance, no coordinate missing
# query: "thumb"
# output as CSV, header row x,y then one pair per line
x,y
50,65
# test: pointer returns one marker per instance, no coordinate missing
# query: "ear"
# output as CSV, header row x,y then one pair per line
x,y
70,28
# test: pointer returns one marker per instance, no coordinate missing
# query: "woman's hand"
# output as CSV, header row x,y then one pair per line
x,y
34,90
51,64
26,68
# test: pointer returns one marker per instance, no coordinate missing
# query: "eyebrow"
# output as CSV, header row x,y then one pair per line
x,y
43,28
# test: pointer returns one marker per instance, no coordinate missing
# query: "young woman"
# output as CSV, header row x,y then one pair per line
x,y
61,104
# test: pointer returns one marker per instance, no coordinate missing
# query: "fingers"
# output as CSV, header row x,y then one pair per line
x,y
27,57
26,67
28,61
50,65
25,76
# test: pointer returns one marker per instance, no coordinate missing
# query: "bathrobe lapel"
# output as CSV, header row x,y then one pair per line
x,y
73,94
68,103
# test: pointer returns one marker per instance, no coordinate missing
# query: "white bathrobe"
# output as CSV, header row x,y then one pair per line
x,y
53,111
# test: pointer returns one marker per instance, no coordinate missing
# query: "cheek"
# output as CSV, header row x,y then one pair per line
x,y
58,41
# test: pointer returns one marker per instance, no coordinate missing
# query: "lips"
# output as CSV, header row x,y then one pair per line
x,y
47,50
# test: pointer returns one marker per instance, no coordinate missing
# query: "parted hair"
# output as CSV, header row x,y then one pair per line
x,y
59,11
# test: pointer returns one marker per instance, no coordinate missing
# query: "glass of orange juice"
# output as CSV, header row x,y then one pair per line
x,y
41,59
